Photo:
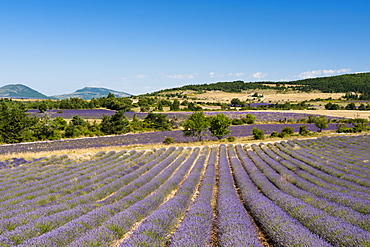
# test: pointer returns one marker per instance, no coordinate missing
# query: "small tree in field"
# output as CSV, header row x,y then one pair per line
x,y
196,125
219,125
321,122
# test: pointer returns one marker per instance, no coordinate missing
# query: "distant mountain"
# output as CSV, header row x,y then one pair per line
x,y
87,93
20,91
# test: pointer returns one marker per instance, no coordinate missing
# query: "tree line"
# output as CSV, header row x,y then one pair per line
x,y
358,83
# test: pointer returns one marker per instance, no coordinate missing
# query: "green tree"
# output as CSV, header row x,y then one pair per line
x,y
237,102
15,123
115,124
351,106
157,121
42,107
219,125
196,125
321,122
175,106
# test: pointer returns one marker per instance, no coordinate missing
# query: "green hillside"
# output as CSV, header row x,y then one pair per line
x,y
359,83
20,91
88,93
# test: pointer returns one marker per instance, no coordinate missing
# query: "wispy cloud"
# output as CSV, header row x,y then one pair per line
x,y
180,76
229,75
259,75
215,75
316,73
141,76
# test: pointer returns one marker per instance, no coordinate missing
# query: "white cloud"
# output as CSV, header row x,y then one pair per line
x,y
180,76
219,75
316,73
259,75
215,75
236,74
141,76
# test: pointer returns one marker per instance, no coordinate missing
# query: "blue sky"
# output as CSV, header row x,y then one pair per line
x,y
58,46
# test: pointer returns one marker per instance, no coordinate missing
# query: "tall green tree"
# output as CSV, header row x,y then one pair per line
x,y
196,125
175,106
321,122
115,124
219,125
14,122
157,121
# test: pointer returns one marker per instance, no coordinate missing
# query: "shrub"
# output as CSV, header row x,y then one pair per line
x,y
287,131
237,121
303,131
168,140
258,134
249,119
231,138
274,134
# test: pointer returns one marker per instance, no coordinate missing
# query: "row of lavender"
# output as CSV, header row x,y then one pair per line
x,y
261,116
296,193
143,138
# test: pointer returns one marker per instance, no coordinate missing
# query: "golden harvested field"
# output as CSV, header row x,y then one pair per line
x,y
269,96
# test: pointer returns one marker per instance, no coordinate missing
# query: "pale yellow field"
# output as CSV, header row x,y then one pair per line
x,y
269,96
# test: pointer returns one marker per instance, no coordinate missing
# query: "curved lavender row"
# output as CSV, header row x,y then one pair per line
x,y
24,176
122,222
351,146
311,175
283,229
334,230
27,207
24,209
196,227
61,185
323,165
356,156
75,227
42,216
286,168
337,164
50,166
235,228
24,218
287,181
317,172
338,158
62,182
155,229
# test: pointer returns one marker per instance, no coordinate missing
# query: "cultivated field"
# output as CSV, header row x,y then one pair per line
x,y
272,96
312,192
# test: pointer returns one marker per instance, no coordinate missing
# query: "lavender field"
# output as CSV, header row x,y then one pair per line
x,y
261,116
143,138
312,192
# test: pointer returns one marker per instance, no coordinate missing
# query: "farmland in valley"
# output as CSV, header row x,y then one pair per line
x,y
312,192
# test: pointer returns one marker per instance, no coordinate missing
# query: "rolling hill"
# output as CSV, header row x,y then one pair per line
x,y
88,93
20,91
359,82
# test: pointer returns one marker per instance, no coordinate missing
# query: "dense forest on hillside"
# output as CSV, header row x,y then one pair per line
x,y
232,87
359,83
